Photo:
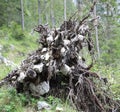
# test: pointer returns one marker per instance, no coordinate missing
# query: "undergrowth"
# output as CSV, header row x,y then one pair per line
x,y
11,101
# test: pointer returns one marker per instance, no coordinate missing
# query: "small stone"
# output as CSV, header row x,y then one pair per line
x,y
59,109
43,105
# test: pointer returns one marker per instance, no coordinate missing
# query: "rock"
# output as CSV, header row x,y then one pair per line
x,y
43,105
65,69
50,39
59,109
45,56
66,42
80,37
40,89
38,68
1,58
21,77
6,61
44,50
1,47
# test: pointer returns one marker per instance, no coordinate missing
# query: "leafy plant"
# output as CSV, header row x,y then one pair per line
x,y
9,101
16,30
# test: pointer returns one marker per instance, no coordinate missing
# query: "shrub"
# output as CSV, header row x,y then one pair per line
x,y
10,101
16,30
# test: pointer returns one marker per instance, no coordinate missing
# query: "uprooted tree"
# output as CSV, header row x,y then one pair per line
x,y
59,68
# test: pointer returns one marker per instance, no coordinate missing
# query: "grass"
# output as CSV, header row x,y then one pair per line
x,y
9,102
4,70
112,73
16,50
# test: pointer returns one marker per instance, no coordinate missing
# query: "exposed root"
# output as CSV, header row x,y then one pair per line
x,y
59,68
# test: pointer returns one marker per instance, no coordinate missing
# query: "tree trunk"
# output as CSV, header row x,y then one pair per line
x,y
52,14
46,14
107,23
22,15
79,6
39,12
96,32
65,17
